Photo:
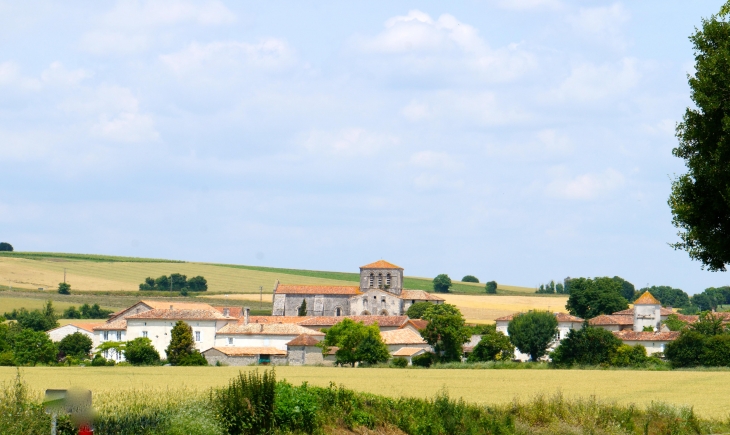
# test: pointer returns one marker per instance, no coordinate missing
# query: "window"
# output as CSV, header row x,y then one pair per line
x,y
338,312
197,335
382,301
380,280
119,335
372,279
387,279
144,334
230,340
106,336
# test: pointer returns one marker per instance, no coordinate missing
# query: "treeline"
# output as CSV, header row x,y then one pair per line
x,y
175,282
42,318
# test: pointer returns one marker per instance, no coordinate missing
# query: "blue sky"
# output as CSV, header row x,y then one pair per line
x,y
516,140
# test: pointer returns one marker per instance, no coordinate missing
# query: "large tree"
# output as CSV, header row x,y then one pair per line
x,y
533,332
140,352
442,283
586,346
5,246
34,347
491,287
446,331
77,345
700,198
593,297
628,291
356,343
182,351
493,346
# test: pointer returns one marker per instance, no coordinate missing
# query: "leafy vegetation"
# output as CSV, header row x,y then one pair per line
x,y
533,332
37,320
592,297
416,310
493,346
64,288
6,247
86,311
491,287
470,278
140,352
442,283
356,343
446,331
75,345
181,351
175,282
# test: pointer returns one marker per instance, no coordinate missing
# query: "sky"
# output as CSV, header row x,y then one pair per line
x,y
515,140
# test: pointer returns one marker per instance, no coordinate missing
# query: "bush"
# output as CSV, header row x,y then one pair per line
x,y
77,345
246,406
686,350
586,346
5,246
491,288
399,362
424,360
296,408
140,352
416,310
64,288
470,278
194,358
442,283
98,361
493,346
626,356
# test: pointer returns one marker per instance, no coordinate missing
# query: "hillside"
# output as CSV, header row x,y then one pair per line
x,y
33,270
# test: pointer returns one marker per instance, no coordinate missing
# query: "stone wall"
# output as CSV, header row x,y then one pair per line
x,y
317,305
376,302
396,280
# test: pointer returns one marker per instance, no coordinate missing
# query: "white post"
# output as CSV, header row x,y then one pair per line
x,y
54,418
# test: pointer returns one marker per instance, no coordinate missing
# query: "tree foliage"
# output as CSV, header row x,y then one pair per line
x,y
627,356
302,311
628,291
592,297
416,310
442,283
86,311
140,352
181,343
470,278
5,246
533,332
446,331
701,343
548,288
175,282
586,346
491,287
674,323
356,343
493,346
668,296
77,345
64,288
37,320
699,200
34,347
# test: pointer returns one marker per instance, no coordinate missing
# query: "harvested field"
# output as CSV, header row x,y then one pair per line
x,y
484,309
700,389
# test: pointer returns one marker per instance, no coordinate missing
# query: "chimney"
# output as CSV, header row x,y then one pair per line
x,y
246,311
170,306
226,311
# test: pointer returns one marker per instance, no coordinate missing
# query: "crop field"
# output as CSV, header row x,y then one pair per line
x,y
32,270
701,389
484,309
10,303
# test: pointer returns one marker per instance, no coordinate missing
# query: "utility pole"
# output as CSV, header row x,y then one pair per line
x,y
64,275
261,297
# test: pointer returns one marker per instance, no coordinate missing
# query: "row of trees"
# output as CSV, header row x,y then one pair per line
x,y
442,283
551,288
175,282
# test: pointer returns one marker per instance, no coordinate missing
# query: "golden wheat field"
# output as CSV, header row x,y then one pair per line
x,y
704,390
486,308
113,276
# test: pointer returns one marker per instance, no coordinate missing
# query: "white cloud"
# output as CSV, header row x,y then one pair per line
x,y
58,75
132,26
434,159
586,186
589,82
415,44
55,76
479,108
348,142
602,24
267,54
10,76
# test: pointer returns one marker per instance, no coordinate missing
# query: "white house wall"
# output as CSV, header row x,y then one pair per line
x,y
60,333
158,331
253,340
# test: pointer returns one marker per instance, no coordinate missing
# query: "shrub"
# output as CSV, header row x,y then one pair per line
x,y
686,350
625,356
716,352
64,288
493,346
246,406
98,361
470,278
140,352
194,358
399,362
586,346
296,408
491,287
442,283
424,360
77,345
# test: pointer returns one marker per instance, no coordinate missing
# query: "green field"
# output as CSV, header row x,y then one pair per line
x,y
703,390
33,270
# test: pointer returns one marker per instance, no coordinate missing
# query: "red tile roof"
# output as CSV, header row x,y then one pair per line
x,y
561,317
248,351
367,320
646,336
113,325
612,319
402,336
317,290
304,340
416,323
688,318
418,295
176,314
630,312
275,319
266,329
647,299
381,264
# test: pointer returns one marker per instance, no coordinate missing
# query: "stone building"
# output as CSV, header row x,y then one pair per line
x,y
380,293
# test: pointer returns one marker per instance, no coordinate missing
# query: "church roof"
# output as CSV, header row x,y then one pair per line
x,y
418,295
381,264
647,299
317,289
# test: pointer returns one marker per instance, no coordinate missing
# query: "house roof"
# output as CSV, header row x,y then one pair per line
x,y
89,327
381,264
303,340
418,295
181,314
402,336
232,311
613,319
167,305
688,318
647,299
416,323
317,289
646,336
324,321
408,351
266,329
248,351
113,325
630,312
276,319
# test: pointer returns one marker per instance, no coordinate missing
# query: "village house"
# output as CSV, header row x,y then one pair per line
x,y
57,334
566,323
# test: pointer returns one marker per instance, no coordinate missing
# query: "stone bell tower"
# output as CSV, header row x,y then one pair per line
x,y
381,275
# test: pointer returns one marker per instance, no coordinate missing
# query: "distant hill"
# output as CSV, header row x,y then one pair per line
x,y
85,272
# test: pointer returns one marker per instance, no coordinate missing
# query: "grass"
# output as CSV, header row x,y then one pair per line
x,y
59,256
702,390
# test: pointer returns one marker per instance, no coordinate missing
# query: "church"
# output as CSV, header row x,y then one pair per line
x,y
380,293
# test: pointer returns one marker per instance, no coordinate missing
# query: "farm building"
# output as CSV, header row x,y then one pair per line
x,y
380,293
